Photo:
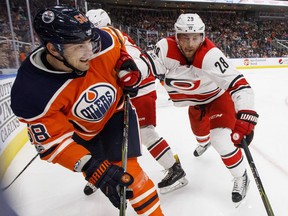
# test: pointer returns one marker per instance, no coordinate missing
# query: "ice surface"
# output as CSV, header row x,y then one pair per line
x,y
50,190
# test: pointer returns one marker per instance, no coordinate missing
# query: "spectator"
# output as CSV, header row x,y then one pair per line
x,y
24,52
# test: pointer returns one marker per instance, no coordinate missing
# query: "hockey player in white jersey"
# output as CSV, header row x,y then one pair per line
x,y
220,100
145,104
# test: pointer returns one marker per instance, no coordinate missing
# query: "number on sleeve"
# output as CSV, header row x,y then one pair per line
x,y
37,133
222,65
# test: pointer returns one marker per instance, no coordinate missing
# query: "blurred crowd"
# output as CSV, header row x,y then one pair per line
x,y
22,37
238,34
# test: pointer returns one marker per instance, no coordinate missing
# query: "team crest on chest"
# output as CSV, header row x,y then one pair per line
x,y
183,84
94,103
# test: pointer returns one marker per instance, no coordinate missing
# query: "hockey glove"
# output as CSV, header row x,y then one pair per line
x,y
108,178
129,76
244,127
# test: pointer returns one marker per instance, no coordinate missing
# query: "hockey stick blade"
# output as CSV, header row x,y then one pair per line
x,y
5,188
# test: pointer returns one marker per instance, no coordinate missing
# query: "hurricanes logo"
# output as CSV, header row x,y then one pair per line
x,y
95,102
183,84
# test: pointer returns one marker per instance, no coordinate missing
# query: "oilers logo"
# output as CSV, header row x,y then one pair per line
x,y
95,102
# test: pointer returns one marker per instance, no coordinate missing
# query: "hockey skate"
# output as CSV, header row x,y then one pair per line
x,y
89,189
201,149
240,189
174,179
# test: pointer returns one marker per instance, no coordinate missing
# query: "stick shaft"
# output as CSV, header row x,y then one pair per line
x,y
257,179
124,154
5,188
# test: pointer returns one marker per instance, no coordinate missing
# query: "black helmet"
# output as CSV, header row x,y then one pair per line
x,y
62,25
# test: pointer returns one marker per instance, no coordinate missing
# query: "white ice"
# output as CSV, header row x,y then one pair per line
x,y
50,190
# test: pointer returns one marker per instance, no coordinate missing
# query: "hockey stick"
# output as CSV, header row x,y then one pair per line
x,y
257,179
5,188
124,153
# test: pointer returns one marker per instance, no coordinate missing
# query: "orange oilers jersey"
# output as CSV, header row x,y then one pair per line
x,y
55,104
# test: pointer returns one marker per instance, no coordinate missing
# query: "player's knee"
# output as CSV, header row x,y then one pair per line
x,y
220,140
140,180
140,177
149,135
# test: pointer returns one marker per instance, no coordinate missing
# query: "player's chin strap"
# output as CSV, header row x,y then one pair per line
x,y
64,60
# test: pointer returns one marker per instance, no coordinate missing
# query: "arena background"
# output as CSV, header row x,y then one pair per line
x,y
250,33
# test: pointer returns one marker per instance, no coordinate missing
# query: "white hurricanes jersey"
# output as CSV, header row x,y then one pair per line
x,y
143,62
145,66
204,79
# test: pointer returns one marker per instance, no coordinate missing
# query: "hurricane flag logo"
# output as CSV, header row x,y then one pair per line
x,y
183,84
94,103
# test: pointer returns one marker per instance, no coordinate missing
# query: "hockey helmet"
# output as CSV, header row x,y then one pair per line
x,y
99,18
189,23
62,25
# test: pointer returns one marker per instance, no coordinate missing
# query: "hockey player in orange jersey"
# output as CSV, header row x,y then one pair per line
x,y
70,93
145,104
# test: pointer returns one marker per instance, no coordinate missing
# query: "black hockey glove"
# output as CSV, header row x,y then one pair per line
x,y
108,178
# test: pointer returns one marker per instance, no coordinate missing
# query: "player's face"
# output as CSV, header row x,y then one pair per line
x,y
189,43
78,55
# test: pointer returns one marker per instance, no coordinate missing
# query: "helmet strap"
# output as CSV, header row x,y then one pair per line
x,y
75,70
60,50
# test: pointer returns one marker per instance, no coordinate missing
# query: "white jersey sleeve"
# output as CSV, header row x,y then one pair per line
x,y
222,71
139,59
159,57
